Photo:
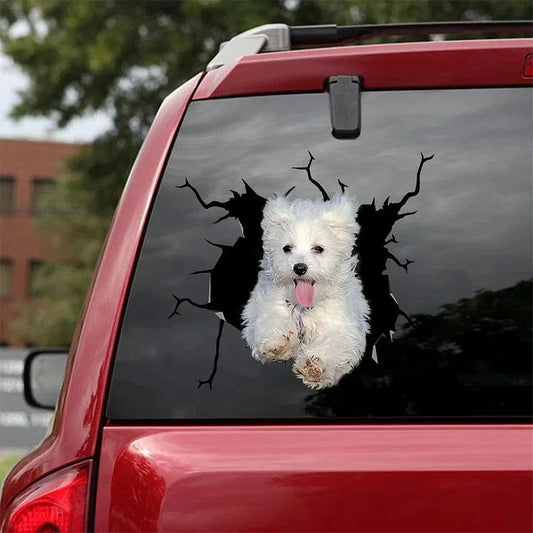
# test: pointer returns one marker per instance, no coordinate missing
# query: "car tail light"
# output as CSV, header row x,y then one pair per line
x,y
56,504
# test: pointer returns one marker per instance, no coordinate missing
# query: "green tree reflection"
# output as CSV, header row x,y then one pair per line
x,y
471,359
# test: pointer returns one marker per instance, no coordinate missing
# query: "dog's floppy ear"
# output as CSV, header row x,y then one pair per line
x,y
276,213
340,213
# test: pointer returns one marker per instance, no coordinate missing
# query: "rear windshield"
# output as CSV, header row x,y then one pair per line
x,y
443,273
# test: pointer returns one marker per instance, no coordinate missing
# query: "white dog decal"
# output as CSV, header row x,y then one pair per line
x,y
308,304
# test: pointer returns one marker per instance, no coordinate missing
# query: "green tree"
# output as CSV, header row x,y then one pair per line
x,y
124,57
471,357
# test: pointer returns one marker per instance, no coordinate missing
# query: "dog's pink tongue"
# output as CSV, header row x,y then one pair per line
x,y
304,293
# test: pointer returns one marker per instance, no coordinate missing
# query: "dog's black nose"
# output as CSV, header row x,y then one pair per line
x,y
300,269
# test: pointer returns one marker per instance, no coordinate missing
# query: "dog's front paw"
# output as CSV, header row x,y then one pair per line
x,y
279,349
312,372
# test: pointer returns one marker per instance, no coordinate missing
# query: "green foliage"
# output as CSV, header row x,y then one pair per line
x,y
472,356
491,322
7,462
123,57
76,232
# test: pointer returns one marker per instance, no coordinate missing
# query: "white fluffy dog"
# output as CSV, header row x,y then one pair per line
x,y
308,304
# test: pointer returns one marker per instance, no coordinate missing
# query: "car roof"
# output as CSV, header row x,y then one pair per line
x,y
281,37
418,65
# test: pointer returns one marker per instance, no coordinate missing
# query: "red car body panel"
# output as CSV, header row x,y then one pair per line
x,y
313,478
369,478
78,419
386,66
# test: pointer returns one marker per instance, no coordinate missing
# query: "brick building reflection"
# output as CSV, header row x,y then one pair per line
x,y
27,170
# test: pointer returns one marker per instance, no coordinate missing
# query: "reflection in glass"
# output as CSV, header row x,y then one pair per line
x,y
46,375
471,233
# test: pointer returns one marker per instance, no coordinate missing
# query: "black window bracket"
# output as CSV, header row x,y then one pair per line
x,y
345,106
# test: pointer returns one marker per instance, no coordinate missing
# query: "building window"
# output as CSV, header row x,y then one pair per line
x,y
6,278
40,189
35,289
7,195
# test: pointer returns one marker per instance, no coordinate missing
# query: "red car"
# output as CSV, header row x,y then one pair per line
x,y
165,421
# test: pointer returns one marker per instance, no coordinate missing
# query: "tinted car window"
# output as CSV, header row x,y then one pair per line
x,y
459,265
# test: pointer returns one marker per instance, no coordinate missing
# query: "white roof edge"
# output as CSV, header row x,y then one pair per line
x,y
266,38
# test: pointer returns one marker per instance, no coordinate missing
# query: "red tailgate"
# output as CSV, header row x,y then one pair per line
x,y
327,478
337,478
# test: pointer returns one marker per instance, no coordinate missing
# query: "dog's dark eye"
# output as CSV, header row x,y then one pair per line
x,y
287,249
318,249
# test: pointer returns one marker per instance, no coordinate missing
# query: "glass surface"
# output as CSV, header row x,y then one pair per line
x,y
46,375
459,267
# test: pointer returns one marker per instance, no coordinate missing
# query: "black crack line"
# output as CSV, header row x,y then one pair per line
x,y
289,191
209,381
200,199
179,301
310,178
343,186
408,195
398,262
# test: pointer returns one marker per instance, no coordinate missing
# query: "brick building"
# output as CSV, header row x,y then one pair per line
x,y
27,170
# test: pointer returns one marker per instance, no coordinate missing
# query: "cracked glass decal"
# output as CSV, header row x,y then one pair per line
x,y
328,340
